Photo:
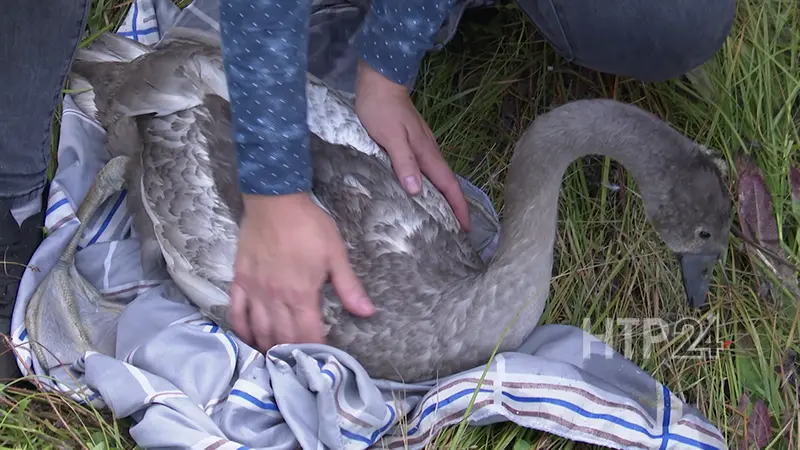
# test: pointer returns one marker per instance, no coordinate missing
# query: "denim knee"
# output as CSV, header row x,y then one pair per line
x,y
651,40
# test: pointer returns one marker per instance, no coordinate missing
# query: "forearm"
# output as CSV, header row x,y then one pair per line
x,y
396,35
264,51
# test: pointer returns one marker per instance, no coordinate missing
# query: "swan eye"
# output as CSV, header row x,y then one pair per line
x,y
704,234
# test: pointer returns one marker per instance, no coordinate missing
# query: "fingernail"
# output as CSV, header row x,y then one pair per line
x,y
412,184
366,306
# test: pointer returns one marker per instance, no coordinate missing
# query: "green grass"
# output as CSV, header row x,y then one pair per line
x,y
478,96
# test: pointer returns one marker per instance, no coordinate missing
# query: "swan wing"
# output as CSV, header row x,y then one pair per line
x,y
332,117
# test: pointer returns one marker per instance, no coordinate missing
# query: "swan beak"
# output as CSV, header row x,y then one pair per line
x,y
696,270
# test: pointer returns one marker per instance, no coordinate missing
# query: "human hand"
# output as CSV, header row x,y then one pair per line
x,y
386,111
288,248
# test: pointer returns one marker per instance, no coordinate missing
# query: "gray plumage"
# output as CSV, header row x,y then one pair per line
x,y
439,308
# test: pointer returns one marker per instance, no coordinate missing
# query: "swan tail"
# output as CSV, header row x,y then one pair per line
x,y
174,77
123,79
109,47
97,65
95,86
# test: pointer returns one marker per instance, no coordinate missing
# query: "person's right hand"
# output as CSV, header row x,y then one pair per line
x,y
288,248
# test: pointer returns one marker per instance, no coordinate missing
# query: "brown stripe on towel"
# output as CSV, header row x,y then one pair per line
x,y
572,426
699,429
582,392
216,445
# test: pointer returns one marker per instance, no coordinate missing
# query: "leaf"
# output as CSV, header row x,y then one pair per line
x,y
759,428
741,408
756,214
758,223
794,186
748,368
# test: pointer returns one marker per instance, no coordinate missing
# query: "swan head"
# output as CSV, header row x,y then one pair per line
x,y
689,206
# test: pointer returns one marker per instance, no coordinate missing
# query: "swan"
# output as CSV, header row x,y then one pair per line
x,y
439,308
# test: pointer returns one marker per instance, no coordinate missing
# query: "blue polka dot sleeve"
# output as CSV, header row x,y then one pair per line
x,y
265,55
396,35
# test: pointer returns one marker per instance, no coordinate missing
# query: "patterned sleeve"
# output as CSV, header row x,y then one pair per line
x,y
265,56
396,35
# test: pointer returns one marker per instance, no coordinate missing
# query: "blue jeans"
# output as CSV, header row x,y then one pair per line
x,y
37,44
650,40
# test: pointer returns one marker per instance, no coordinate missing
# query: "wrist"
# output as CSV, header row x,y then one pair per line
x,y
259,202
369,79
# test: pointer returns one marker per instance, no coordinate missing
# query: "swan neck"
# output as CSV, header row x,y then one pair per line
x,y
522,267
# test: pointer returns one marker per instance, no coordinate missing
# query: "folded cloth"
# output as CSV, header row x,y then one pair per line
x,y
187,384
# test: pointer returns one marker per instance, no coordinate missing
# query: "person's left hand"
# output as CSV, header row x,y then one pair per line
x,y
386,111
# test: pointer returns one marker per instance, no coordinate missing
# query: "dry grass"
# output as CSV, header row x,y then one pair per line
x,y
478,96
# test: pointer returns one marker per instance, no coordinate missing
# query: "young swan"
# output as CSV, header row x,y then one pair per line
x,y
439,309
